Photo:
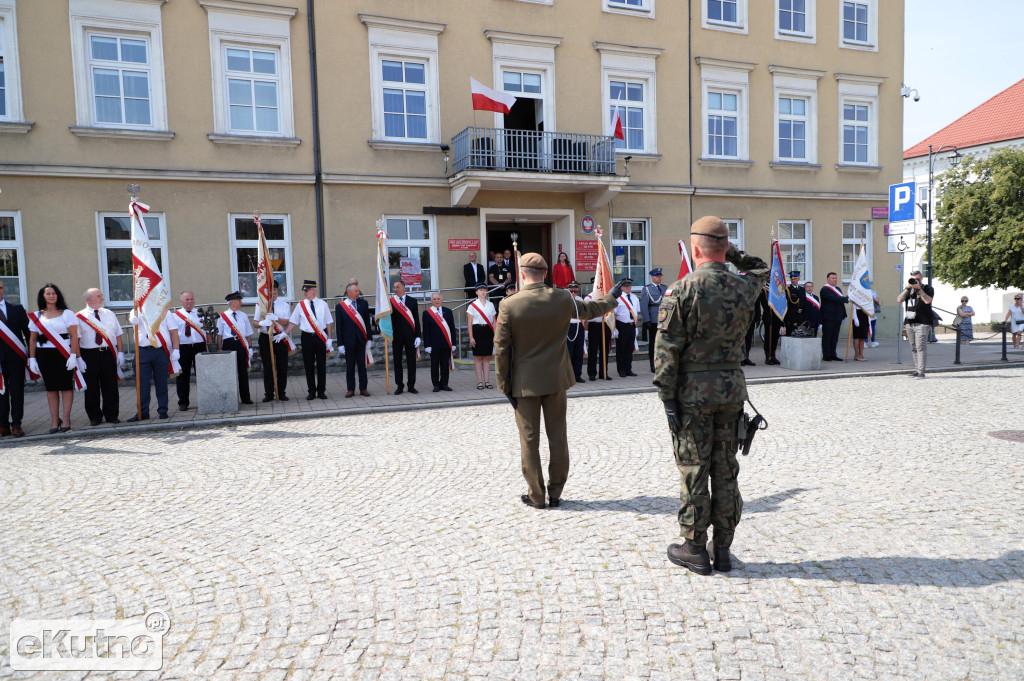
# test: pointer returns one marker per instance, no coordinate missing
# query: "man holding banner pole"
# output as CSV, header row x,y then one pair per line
x,y
275,366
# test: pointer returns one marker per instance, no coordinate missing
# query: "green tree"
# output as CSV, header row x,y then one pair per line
x,y
980,241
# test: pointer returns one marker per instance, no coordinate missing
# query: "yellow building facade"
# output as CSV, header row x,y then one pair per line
x,y
781,116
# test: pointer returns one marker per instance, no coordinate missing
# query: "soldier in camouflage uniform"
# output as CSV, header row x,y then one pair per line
x,y
701,326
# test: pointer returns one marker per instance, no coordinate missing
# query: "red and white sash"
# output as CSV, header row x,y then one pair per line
x,y
404,311
311,318
355,317
834,289
187,318
173,366
238,334
63,347
8,337
813,301
625,301
446,332
103,337
482,314
288,342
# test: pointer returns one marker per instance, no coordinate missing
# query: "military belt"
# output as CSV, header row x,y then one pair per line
x,y
695,367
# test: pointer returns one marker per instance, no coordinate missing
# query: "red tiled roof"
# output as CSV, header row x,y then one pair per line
x,y
1000,118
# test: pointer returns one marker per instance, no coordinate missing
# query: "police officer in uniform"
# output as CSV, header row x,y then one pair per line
x,y
533,370
650,301
797,303
697,371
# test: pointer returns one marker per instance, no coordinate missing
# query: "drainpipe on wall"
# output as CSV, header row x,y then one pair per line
x,y
689,98
318,185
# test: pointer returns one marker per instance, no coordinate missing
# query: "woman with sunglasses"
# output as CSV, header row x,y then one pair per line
x,y
1015,316
964,312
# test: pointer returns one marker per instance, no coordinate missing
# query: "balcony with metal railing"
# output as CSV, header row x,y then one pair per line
x,y
531,160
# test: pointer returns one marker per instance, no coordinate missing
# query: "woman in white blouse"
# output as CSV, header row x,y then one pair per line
x,y
45,358
481,316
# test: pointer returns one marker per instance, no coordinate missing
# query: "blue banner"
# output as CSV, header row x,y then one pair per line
x,y
778,298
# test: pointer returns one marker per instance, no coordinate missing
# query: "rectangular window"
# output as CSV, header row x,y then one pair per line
x,y
405,99
245,253
793,128
794,242
630,249
253,87
922,194
628,98
855,22
12,258
116,254
735,238
793,16
411,248
120,77
855,133
854,234
723,129
635,7
723,10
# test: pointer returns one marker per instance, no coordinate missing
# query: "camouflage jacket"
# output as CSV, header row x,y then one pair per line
x,y
703,319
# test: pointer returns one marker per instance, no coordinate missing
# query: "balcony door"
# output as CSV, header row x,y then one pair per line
x,y
523,141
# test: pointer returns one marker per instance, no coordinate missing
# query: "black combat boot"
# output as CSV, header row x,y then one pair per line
x,y
693,558
723,562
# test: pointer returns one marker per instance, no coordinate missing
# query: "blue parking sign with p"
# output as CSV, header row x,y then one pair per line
x,y
901,202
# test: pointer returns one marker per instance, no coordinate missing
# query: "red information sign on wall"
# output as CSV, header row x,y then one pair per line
x,y
463,244
879,212
586,255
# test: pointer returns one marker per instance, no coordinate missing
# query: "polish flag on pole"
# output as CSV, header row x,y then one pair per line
x,y
685,266
617,130
486,99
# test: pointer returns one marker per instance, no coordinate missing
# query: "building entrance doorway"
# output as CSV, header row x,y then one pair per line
x,y
534,237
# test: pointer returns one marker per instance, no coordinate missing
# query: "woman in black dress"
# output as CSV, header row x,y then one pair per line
x,y
45,358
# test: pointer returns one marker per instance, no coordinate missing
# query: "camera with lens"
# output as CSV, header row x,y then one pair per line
x,y
912,281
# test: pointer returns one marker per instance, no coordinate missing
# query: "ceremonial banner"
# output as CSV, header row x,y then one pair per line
x,y
152,291
381,295
685,266
778,298
603,283
859,290
264,273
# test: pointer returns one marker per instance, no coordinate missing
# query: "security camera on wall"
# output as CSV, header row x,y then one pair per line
x,y
917,97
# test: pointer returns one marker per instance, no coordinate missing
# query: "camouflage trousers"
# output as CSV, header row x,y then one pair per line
x,y
705,449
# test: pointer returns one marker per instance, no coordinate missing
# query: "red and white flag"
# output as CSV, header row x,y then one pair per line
x,y
486,99
152,291
617,130
603,283
685,266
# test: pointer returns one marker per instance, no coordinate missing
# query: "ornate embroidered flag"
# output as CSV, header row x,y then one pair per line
x,y
152,291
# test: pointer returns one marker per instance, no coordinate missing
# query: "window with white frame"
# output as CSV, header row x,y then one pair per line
x,y
793,16
115,239
10,73
630,86
628,99
858,120
629,6
3,67
411,252
855,234
794,245
117,57
858,24
922,194
735,228
404,79
630,249
245,253
725,91
727,15
12,258
250,51
796,115
792,140
856,126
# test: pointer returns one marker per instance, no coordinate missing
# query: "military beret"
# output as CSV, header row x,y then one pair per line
x,y
235,295
710,226
533,260
656,272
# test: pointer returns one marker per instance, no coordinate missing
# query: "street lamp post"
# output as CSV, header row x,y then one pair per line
x,y
926,208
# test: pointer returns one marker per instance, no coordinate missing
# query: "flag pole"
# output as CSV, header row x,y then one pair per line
x,y
387,368
133,192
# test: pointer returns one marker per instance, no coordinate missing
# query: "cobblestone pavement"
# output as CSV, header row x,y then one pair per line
x,y
883,538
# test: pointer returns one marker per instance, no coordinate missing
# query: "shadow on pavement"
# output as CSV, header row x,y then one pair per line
x,y
286,435
897,570
670,505
771,502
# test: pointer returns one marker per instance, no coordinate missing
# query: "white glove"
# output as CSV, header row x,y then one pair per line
x,y
33,365
120,358
250,354
266,322
81,365
586,339
72,362
416,343
428,350
341,350
280,337
175,355
134,319
271,317
615,333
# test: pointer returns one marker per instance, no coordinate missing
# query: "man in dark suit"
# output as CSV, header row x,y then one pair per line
x,y
12,363
474,274
812,312
354,332
833,312
533,370
438,337
405,322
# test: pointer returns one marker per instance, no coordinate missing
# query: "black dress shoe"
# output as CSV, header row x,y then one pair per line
x,y
322,396
268,398
693,558
526,500
747,363
95,423
399,390
446,388
413,390
607,378
772,362
723,562
246,401
437,388
163,416
113,420
631,374
136,419
183,407
554,503
580,379
592,378
284,398
310,396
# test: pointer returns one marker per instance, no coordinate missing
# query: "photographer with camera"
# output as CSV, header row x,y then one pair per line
x,y
917,318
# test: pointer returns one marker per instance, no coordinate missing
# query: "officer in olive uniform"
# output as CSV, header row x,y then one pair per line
x,y
533,370
650,301
701,325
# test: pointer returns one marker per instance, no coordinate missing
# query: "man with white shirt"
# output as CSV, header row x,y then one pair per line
x,y
438,327
271,327
313,317
156,356
234,332
405,322
192,341
626,316
99,342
